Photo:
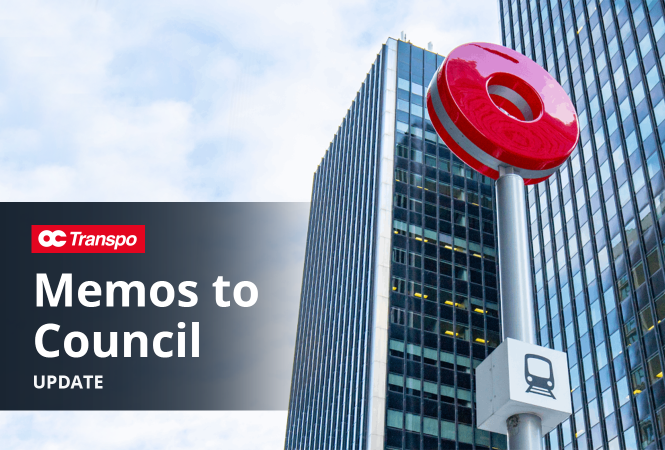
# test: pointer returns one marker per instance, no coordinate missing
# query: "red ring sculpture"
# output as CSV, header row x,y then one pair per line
x,y
494,107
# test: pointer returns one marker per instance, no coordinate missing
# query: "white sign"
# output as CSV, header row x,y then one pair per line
x,y
522,378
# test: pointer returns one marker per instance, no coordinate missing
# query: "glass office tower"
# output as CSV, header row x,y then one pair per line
x,y
597,226
399,297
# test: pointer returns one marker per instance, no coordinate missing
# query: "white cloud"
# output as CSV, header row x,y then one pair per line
x,y
177,100
237,430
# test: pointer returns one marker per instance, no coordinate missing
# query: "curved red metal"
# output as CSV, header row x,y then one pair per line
x,y
495,107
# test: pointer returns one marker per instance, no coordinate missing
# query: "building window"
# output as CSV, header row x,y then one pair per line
x,y
459,331
464,397
399,256
631,332
500,441
415,232
465,433
579,422
397,316
401,201
639,380
444,188
430,264
461,273
623,287
660,415
459,194
416,180
415,205
414,320
617,246
478,335
623,391
482,438
414,352
399,285
396,347
638,275
402,151
492,309
447,430
630,438
646,319
399,227
412,423
395,382
413,386
447,362
638,176
417,156
655,369
430,390
646,219
647,432
608,402
593,413
415,260
395,419
430,324
660,307
430,426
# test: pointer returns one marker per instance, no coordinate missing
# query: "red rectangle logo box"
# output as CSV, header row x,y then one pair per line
x,y
88,239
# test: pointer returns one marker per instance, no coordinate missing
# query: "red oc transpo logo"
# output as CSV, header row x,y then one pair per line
x,y
495,108
88,239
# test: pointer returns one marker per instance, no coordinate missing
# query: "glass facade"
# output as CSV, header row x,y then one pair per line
x,y
444,314
441,315
328,403
597,226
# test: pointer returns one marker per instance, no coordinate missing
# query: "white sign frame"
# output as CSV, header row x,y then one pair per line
x,y
520,378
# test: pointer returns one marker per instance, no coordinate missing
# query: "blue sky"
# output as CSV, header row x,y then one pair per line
x,y
187,101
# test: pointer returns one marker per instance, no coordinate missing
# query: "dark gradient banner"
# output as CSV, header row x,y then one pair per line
x,y
204,319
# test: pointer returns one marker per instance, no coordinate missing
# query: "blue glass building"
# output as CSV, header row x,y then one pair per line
x,y
399,298
597,226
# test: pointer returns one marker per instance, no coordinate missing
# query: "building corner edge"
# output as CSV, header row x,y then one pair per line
x,y
381,293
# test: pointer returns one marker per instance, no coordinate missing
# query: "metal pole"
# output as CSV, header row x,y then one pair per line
x,y
525,432
517,310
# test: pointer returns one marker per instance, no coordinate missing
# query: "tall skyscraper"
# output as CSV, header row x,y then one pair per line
x,y
597,226
399,297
